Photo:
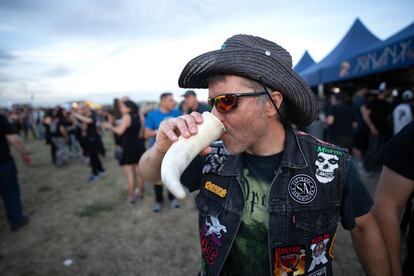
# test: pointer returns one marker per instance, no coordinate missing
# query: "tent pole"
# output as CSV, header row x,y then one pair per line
x,y
321,95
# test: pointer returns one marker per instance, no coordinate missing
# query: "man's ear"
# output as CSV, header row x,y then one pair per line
x,y
277,98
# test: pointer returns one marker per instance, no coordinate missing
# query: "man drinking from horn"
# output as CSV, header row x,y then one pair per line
x,y
269,197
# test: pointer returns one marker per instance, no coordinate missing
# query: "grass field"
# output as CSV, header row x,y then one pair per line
x,y
90,224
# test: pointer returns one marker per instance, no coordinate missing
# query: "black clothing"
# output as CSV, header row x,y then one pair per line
x,y
249,254
398,155
159,198
94,146
341,132
380,116
55,126
5,129
132,146
315,187
9,185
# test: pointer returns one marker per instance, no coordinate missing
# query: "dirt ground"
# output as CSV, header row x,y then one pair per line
x,y
90,224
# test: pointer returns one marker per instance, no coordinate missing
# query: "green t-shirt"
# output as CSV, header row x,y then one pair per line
x,y
250,254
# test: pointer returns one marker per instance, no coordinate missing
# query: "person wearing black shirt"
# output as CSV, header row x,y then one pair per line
x,y
129,129
92,141
341,122
262,228
376,114
9,186
59,135
191,103
394,190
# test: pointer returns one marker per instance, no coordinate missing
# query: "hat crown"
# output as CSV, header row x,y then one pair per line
x,y
268,48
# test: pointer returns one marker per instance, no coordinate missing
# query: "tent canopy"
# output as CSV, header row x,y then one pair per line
x,y
356,40
393,53
305,62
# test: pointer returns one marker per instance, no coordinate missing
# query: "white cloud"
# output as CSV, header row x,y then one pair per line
x,y
101,49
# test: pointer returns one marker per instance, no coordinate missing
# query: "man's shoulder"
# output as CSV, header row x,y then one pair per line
x,y
320,145
154,112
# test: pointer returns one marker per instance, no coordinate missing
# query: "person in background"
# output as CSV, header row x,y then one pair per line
x,y
9,185
15,122
377,115
73,143
341,123
59,135
152,123
191,103
361,132
47,121
132,148
115,118
395,188
93,147
404,112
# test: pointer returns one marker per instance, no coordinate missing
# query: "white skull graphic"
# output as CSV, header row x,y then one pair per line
x,y
326,164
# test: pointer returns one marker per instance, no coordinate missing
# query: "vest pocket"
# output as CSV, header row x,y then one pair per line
x,y
317,221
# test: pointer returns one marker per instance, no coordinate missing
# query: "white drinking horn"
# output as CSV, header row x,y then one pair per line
x,y
182,152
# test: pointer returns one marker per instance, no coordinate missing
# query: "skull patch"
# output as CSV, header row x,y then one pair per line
x,y
326,164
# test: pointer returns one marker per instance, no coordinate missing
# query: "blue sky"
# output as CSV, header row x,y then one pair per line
x,y
54,51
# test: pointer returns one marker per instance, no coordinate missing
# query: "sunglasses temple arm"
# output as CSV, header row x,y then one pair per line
x,y
284,122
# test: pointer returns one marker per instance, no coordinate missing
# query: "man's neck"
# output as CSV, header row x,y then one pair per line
x,y
272,142
164,110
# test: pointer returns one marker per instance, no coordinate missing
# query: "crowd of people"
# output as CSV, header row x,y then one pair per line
x,y
74,132
362,122
360,125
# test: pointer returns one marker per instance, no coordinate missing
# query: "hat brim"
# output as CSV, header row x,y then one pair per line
x,y
299,98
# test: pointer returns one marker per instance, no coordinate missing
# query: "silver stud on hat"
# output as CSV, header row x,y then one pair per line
x,y
267,53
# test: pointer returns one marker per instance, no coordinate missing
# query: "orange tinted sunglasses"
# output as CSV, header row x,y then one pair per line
x,y
228,102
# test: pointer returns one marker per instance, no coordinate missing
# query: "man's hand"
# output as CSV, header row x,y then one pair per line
x,y
171,129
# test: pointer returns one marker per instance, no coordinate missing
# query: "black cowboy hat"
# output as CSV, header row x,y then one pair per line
x,y
260,60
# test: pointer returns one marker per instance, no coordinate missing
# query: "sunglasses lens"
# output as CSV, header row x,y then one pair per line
x,y
226,103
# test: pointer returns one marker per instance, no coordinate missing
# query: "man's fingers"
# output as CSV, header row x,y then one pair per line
x,y
182,126
197,116
168,128
185,125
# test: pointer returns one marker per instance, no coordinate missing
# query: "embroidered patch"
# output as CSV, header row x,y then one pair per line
x,y
215,227
302,188
331,248
210,239
289,261
318,248
215,189
215,160
326,164
329,150
320,272
208,249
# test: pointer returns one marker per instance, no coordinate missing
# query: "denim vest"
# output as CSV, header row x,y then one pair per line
x,y
304,202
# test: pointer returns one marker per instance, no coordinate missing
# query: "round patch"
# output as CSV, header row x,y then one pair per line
x,y
302,188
